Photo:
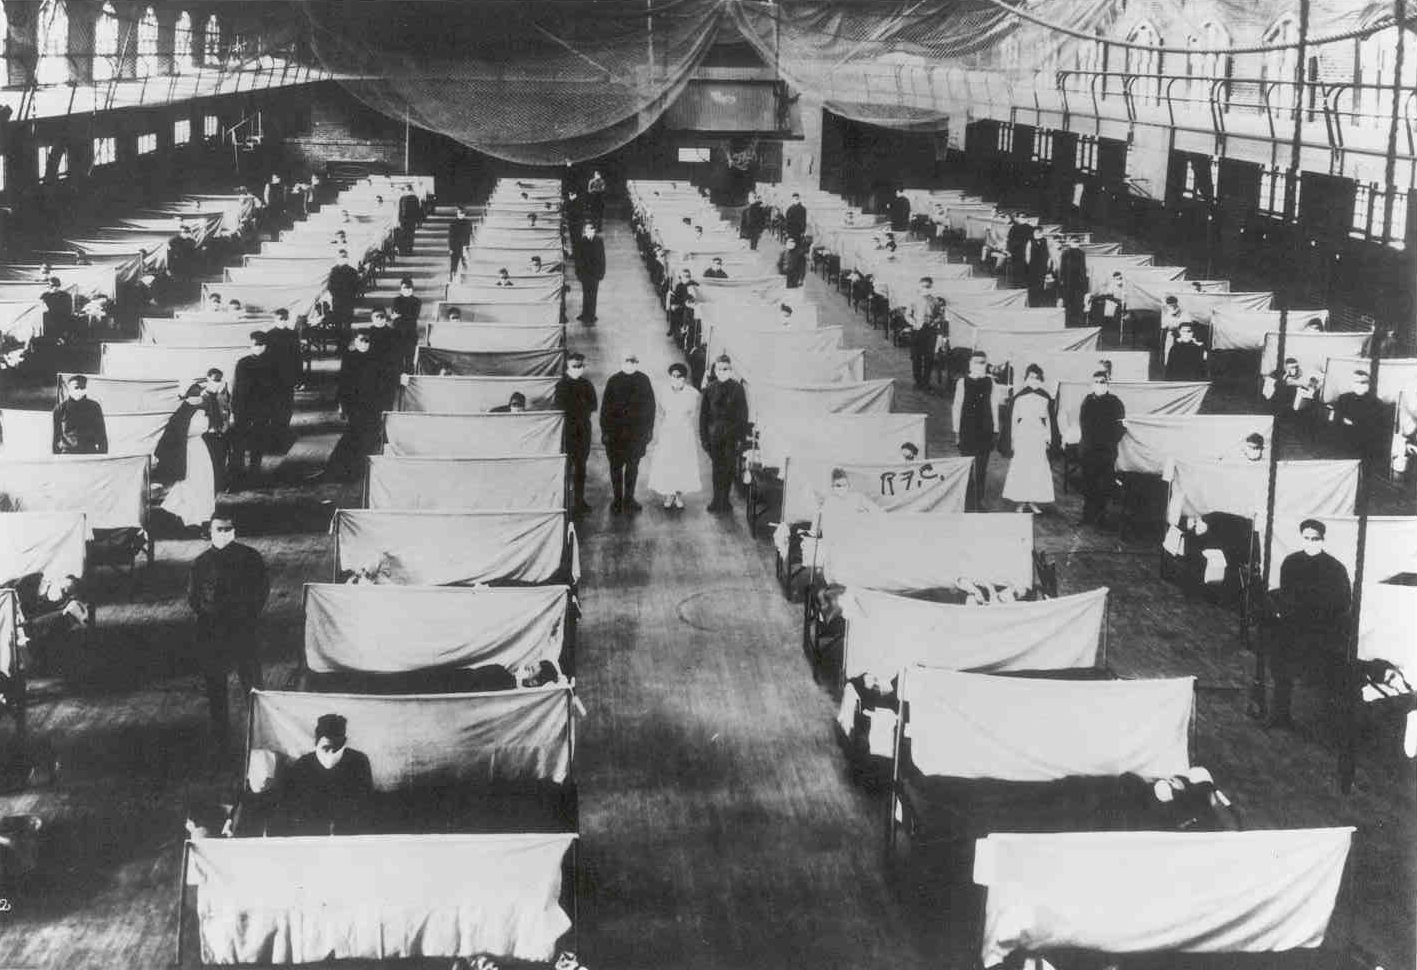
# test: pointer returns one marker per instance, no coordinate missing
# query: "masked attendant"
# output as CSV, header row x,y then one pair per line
x,y
575,397
792,264
1100,424
674,467
900,212
283,347
79,427
590,269
459,235
227,591
1029,432
406,309
1073,281
627,412
362,387
256,396
1311,608
723,423
794,219
753,220
974,421
926,316
1362,424
1186,361
410,215
327,791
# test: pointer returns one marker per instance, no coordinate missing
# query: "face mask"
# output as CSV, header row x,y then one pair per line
x,y
629,368
223,539
723,373
575,371
1099,388
1313,548
676,381
78,393
328,759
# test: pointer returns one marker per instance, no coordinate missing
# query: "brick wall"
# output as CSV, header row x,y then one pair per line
x,y
341,128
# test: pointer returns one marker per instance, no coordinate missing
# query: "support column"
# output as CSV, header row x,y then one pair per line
x,y
802,160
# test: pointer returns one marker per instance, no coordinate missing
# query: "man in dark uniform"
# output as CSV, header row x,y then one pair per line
x,y
459,235
974,421
574,213
723,423
327,791
1073,282
79,428
361,394
406,309
1016,242
680,299
927,318
227,590
900,212
343,286
275,201
792,264
716,270
575,397
1362,423
1311,608
1100,423
626,426
753,221
794,220
283,348
590,270
58,308
1186,359
182,254
410,215
256,396
1036,267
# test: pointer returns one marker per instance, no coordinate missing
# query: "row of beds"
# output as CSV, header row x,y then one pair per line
x,y
1055,809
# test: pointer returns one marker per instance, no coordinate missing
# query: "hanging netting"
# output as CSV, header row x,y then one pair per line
x,y
539,81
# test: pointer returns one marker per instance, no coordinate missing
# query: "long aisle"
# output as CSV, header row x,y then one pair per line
x,y
719,828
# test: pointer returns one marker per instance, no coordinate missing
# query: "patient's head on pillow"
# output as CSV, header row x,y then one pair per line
x,y
261,770
205,820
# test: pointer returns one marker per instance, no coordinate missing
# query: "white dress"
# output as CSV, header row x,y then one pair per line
x,y
193,499
674,463
1030,477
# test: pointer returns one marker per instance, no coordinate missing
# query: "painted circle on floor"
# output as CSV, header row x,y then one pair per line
x,y
734,609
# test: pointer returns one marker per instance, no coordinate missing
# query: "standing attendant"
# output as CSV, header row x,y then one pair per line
x,y
927,318
974,421
575,397
595,199
275,200
1186,359
900,212
792,264
1311,608
1073,282
1036,261
1362,424
58,307
626,425
459,235
674,469
410,215
256,396
362,387
1016,242
1029,431
590,270
283,347
227,591
723,423
406,309
343,286
1100,424
753,221
182,254
79,427
794,220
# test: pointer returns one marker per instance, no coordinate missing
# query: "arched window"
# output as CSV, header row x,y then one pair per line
x,y
1145,64
52,33
149,62
105,44
1280,65
1202,68
183,61
211,42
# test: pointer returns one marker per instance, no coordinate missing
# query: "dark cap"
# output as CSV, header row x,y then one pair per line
x,y
331,726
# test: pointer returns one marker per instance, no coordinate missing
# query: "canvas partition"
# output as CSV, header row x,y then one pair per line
x,y
1148,892
471,395
936,485
455,548
1394,376
728,317
907,551
182,332
1146,287
119,394
1009,346
1312,351
30,434
762,350
966,321
493,363
1390,549
289,274
22,321
1140,398
754,289
484,273
395,482
378,897
9,633
111,489
390,629
1100,267
826,367
1024,729
1242,488
482,338
521,294
1385,628
512,314
886,634
1150,444
852,437
1202,306
866,397
473,435
298,298
1234,329
144,362
1127,366
52,543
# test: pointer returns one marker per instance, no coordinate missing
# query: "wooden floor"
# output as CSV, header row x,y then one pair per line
x,y
720,827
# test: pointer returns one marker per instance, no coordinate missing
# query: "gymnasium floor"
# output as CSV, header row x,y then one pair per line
x,y
720,827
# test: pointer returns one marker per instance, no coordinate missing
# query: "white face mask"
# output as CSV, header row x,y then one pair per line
x,y
575,371
78,393
222,539
629,368
328,759
723,373
676,381
1099,387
